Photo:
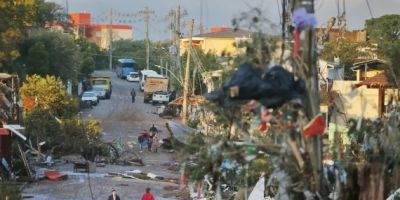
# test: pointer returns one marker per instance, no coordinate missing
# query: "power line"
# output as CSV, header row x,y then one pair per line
x,y
369,8
279,12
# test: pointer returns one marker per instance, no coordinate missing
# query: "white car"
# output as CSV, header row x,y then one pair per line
x,y
133,77
90,96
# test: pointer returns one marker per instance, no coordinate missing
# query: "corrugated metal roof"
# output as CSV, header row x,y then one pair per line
x,y
373,64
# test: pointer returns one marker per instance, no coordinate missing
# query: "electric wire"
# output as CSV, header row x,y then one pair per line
x,y
279,12
369,8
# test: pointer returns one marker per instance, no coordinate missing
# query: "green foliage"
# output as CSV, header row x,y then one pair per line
x,y
48,94
91,57
384,29
347,51
344,49
38,59
49,12
63,54
82,136
137,50
207,62
393,56
13,28
30,14
9,190
42,126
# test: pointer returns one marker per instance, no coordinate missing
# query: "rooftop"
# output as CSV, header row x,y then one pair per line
x,y
378,81
372,64
227,33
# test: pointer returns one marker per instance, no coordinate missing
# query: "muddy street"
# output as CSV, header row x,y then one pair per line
x,y
122,122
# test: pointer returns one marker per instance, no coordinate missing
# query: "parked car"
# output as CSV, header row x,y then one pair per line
x,y
90,97
100,92
133,77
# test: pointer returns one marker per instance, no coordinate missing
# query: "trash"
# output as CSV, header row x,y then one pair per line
x,y
55,176
273,89
315,127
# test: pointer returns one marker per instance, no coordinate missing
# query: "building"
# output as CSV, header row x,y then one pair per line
x,y
330,71
368,68
334,34
99,33
222,41
369,95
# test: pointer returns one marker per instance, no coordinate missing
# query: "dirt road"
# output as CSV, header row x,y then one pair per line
x,y
122,121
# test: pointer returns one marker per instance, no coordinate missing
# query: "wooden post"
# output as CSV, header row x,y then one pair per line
x,y
312,99
187,75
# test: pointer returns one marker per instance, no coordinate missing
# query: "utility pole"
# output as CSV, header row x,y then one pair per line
x,y
312,100
110,38
178,37
146,12
161,64
187,75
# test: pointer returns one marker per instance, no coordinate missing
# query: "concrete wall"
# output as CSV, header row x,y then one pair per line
x,y
358,100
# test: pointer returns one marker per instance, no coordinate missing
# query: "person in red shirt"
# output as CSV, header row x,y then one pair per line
x,y
147,195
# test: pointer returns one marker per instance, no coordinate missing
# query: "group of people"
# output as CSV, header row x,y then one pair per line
x,y
147,195
149,140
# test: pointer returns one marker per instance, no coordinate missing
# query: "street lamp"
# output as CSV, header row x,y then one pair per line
x,y
171,73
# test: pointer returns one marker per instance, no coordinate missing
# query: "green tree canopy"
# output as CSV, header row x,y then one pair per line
x,y
49,12
383,29
38,59
63,54
137,51
15,18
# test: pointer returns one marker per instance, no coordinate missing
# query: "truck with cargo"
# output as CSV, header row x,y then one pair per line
x,y
154,84
102,82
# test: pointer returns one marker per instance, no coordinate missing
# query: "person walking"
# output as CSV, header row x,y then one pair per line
x,y
147,195
114,195
155,143
153,130
133,94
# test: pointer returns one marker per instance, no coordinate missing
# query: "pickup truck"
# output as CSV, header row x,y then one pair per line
x,y
160,97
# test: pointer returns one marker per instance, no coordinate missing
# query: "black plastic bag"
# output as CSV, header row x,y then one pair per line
x,y
273,89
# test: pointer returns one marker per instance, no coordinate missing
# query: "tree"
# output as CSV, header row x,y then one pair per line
x,y
137,51
13,28
384,29
38,60
49,94
91,57
49,12
63,54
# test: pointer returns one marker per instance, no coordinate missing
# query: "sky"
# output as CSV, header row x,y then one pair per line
x,y
219,12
